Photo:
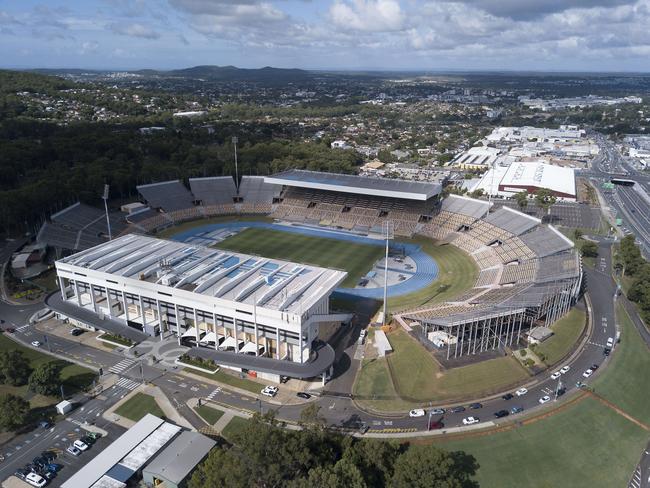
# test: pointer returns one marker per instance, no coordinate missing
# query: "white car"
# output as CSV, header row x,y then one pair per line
x,y
610,342
417,412
36,343
544,399
521,392
73,450
81,445
565,369
556,375
470,420
35,480
588,373
270,391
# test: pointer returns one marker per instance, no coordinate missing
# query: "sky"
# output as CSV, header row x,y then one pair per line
x,y
539,35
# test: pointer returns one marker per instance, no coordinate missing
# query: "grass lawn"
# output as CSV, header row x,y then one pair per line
x,y
209,414
177,229
138,406
457,273
357,259
235,425
419,379
587,445
566,331
73,377
230,379
626,382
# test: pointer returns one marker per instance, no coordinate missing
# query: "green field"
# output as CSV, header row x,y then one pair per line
x,y
209,414
357,259
626,381
138,406
177,229
587,445
74,378
574,447
418,379
566,333
457,273
235,425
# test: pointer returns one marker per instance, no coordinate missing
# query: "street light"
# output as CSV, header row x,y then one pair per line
x,y
108,222
388,229
234,142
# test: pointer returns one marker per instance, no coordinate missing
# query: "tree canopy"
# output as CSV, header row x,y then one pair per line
x,y
14,412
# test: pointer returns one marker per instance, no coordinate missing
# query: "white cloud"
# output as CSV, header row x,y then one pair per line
x,y
135,30
367,15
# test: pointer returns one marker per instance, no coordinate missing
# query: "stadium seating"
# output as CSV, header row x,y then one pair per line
x,y
166,195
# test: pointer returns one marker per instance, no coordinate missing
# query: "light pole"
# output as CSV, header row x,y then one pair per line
x,y
108,221
234,143
557,389
388,230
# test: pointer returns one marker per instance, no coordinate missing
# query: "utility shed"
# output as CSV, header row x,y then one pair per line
x,y
173,466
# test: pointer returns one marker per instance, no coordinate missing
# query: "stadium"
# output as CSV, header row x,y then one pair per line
x,y
255,270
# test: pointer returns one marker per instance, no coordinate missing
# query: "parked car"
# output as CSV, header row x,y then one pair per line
x,y
588,373
94,435
436,424
470,420
44,424
363,427
457,409
516,409
48,455
606,351
594,367
475,406
73,450
81,445
438,411
565,369
35,480
508,396
501,414
270,391
21,473
556,375
610,342
544,399
36,343
417,412
54,467
521,392
76,331
303,395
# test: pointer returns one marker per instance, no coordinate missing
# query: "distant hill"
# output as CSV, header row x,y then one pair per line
x,y
232,73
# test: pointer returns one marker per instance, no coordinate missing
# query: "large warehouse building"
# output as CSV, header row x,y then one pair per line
x,y
247,312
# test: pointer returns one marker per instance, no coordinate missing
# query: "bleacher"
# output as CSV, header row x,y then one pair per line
x,y
217,190
512,221
166,195
79,227
519,273
545,241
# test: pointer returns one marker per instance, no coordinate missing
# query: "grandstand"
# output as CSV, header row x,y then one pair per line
x,y
257,196
529,275
166,195
219,190
79,227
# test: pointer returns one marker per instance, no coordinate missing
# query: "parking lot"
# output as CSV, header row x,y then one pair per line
x,y
25,448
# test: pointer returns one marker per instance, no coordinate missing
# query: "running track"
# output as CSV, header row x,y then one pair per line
x,y
427,269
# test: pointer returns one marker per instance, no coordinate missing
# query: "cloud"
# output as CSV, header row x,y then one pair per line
x,y
135,30
88,47
533,9
367,15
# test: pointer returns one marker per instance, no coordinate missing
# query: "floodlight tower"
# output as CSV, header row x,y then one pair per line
x,y
108,221
234,143
388,231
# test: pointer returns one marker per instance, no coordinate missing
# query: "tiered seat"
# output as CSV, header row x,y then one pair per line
x,y
487,277
186,214
514,249
488,233
519,273
486,258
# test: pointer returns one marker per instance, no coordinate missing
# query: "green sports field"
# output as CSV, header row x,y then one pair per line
x,y
357,259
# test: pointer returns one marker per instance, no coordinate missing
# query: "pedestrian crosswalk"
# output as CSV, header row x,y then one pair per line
x,y
127,384
213,393
122,366
635,482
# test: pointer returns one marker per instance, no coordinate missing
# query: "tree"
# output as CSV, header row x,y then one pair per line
x,y
429,466
310,416
14,412
14,368
545,199
343,473
589,249
477,193
522,199
221,468
45,379
577,234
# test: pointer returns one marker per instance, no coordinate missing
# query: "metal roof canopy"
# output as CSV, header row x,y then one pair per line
x,y
381,187
95,469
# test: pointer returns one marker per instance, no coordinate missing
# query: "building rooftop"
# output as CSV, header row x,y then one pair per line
x,y
254,280
382,187
180,457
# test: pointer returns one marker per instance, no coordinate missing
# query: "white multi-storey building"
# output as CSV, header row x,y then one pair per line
x,y
242,311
